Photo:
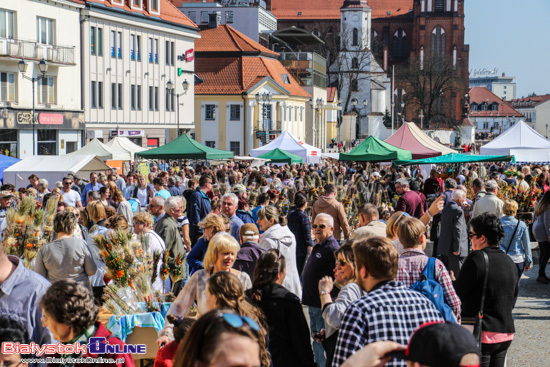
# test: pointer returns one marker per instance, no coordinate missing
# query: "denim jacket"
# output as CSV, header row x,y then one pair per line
x,y
520,248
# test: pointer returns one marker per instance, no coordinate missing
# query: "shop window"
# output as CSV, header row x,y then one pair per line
x,y
71,147
47,142
8,142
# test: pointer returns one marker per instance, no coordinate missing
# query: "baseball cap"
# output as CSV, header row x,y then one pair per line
x,y
441,344
491,184
249,229
239,188
6,194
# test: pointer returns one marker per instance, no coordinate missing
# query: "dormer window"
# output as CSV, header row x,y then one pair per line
x,y
154,6
136,4
285,78
118,2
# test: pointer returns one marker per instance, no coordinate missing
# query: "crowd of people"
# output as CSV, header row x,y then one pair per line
x,y
294,265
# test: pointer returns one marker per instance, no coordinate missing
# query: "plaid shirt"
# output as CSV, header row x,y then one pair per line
x,y
411,265
388,312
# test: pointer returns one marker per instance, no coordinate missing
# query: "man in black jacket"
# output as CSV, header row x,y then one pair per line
x,y
453,240
250,252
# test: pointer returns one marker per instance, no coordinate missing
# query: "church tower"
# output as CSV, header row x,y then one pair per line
x,y
355,25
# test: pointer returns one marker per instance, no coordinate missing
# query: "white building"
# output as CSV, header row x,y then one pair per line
x,y
365,87
503,86
536,110
32,31
131,50
247,16
489,113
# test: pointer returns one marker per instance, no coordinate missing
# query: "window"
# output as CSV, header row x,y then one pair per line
x,y
100,95
119,45
156,98
235,113
150,50
99,41
151,99
438,6
113,96
169,53
355,41
204,17
137,3
47,142
132,47
93,94
210,144
193,16
438,42
154,5
45,31
7,87
167,95
229,17
138,48
285,78
235,147
8,142
120,96
113,43
92,40
354,86
133,97
46,90
210,113
267,117
156,51
355,63
172,53
138,97
400,44
7,27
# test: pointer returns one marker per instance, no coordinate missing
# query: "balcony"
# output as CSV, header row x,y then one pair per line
x,y
20,49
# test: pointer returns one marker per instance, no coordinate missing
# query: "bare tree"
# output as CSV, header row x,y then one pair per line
x,y
431,87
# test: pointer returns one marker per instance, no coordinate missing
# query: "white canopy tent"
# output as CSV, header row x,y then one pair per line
x,y
521,141
53,168
287,142
126,145
102,151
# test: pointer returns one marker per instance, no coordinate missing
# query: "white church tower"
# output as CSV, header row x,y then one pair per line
x,y
364,85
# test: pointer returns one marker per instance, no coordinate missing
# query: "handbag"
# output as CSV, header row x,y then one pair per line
x,y
478,326
512,239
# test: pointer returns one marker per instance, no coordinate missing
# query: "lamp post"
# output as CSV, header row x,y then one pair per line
x,y
403,112
43,66
170,88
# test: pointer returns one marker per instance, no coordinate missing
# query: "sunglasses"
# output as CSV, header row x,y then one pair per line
x,y
472,234
321,226
235,321
407,215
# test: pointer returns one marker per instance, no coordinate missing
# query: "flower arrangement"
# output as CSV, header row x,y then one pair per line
x,y
115,251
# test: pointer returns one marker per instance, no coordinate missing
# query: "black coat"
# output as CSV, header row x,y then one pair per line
x,y
502,289
289,339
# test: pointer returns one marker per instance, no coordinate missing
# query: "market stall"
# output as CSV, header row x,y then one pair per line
x,y
455,158
5,162
521,141
287,142
53,168
280,156
102,151
184,148
124,144
410,137
373,149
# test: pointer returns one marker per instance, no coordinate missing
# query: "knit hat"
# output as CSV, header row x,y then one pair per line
x,y
441,345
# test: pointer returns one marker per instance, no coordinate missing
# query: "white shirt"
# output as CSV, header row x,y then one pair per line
x,y
70,198
142,196
156,244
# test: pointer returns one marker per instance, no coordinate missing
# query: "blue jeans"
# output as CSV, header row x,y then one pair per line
x,y
317,323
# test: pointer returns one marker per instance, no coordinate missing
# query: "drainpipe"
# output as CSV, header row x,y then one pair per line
x,y
245,137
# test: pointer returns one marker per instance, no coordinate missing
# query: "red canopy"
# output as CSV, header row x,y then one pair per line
x,y
410,137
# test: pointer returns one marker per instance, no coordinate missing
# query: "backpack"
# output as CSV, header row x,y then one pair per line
x,y
429,287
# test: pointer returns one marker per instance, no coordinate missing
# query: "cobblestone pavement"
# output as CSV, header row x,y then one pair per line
x,y
532,314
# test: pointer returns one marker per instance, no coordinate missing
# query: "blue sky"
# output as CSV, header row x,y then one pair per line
x,y
514,37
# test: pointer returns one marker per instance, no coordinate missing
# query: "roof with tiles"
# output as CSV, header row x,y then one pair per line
x,y
482,95
330,9
529,101
331,94
168,11
231,63
227,39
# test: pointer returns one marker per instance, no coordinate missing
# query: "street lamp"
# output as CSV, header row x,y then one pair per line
x,y
172,92
43,67
403,112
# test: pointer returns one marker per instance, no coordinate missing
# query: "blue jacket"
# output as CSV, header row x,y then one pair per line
x,y
174,191
520,244
198,207
300,225
244,216
196,255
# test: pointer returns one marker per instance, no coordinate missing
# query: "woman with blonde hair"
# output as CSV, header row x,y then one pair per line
x,y
123,207
220,256
211,224
516,242
541,230
333,311
143,226
391,229
97,217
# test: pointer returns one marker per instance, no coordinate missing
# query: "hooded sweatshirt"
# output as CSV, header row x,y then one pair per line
x,y
336,210
282,239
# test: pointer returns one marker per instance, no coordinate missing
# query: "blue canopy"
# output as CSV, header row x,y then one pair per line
x,y
5,162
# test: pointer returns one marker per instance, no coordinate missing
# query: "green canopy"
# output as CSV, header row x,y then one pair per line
x,y
375,150
281,156
457,158
184,148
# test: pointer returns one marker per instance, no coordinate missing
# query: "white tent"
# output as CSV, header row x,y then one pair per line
x,y
290,144
102,151
53,168
125,144
521,141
